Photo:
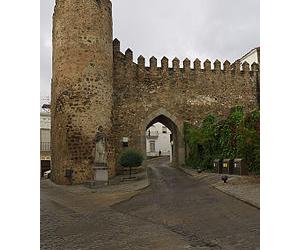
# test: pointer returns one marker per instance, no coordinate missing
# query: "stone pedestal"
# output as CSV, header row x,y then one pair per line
x,y
101,173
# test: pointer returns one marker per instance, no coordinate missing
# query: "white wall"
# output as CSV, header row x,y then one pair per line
x,y
251,58
162,140
45,121
45,131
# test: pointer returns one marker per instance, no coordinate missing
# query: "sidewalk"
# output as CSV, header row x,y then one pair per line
x,y
116,185
244,188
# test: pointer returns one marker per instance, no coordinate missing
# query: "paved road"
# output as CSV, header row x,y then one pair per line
x,y
175,212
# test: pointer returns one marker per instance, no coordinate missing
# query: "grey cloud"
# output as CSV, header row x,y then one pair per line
x,y
46,11
213,29
223,29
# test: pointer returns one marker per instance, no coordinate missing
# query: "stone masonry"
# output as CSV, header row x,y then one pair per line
x,y
97,87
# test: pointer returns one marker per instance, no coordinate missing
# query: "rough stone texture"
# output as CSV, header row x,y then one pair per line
x,y
145,95
81,86
95,84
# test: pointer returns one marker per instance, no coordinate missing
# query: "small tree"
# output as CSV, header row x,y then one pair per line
x,y
131,158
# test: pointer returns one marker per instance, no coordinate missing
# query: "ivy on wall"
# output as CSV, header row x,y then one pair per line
x,y
236,136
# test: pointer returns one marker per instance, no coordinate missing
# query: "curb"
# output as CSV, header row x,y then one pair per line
x,y
238,198
148,180
147,185
70,188
183,170
136,190
153,159
224,192
199,178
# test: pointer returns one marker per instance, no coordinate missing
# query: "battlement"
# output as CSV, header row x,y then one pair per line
x,y
97,88
207,67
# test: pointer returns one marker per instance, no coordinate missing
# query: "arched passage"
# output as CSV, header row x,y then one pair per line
x,y
176,128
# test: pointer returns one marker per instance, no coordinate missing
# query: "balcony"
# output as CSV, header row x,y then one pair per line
x,y
152,134
45,146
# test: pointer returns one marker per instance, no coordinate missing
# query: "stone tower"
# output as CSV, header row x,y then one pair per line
x,y
82,81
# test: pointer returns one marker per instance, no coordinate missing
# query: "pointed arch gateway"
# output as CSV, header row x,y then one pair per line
x,y
174,125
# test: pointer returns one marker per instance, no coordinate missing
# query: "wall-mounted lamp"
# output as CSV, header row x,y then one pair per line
x,y
125,142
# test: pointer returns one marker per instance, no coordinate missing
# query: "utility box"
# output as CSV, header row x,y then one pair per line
x,y
240,167
217,166
227,166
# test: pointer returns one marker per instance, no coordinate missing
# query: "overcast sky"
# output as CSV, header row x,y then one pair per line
x,y
213,29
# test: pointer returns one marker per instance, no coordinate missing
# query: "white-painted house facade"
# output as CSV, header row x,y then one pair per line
x,y
45,141
253,56
45,131
158,140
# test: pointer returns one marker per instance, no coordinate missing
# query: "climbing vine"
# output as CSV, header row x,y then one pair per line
x,y
202,142
236,136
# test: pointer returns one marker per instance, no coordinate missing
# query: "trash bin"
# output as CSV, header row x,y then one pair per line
x,y
217,166
240,167
227,166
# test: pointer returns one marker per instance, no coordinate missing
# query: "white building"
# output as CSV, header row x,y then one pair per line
x,y
251,57
158,140
45,141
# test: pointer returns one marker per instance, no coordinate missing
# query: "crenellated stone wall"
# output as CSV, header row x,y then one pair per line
x,y
97,87
188,93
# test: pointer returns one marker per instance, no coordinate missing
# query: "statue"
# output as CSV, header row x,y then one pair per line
x,y
100,152
100,168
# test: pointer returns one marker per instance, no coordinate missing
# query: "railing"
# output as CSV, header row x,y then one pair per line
x,y
152,134
45,146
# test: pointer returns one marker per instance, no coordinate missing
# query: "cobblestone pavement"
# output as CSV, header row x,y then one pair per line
x,y
175,212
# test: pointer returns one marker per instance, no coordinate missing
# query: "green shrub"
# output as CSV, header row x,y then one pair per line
x,y
236,136
202,143
248,146
229,133
131,158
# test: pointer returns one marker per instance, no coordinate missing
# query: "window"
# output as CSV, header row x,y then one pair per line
x,y
45,137
152,146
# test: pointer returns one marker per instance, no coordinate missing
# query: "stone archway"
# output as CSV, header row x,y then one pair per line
x,y
174,125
